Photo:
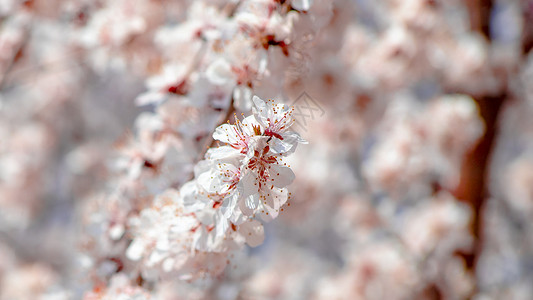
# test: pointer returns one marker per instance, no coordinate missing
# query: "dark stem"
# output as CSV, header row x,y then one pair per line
x,y
473,187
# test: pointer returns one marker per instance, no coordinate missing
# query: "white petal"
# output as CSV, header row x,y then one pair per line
x,y
225,133
288,144
136,249
248,124
280,196
259,103
168,264
200,239
282,146
188,192
228,167
222,152
210,182
282,176
249,204
269,213
221,224
205,216
219,72
192,200
184,224
116,231
260,111
253,232
252,202
228,205
246,186
293,137
156,257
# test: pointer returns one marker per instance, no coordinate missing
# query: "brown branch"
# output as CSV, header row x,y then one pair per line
x,y
473,187
479,13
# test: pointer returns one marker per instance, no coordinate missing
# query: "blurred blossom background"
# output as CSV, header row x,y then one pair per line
x,y
416,182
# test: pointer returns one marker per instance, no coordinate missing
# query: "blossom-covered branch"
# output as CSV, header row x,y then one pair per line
x,y
238,185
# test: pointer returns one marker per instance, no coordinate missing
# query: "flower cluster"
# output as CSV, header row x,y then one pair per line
x,y
238,184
